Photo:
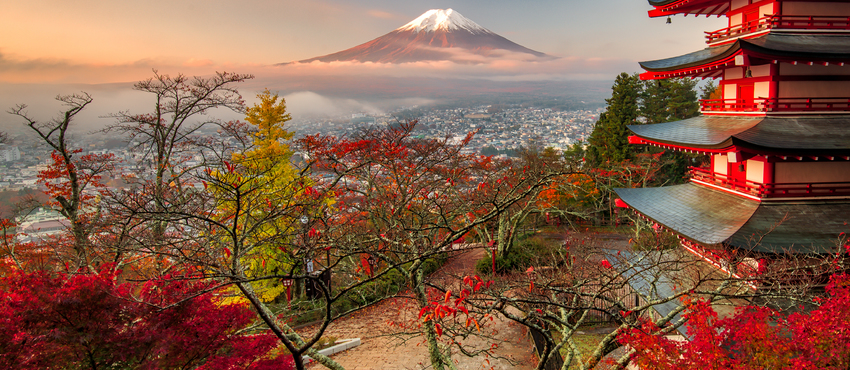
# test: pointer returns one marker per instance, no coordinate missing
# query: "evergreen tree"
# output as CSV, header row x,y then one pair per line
x,y
666,101
609,139
669,100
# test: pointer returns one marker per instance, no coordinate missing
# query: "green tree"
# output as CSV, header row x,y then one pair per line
x,y
609,139
668,100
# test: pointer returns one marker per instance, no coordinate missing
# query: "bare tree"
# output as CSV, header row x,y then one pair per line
x,y
71,175
587,282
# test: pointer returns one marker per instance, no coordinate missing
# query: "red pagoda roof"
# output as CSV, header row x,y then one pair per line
x,y
813,135
670,7
773,47
716,218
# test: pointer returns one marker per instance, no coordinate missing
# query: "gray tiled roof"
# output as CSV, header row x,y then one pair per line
x,y
809,227
660,2
823,47
696,58
711,217
708,216
815,133
702,131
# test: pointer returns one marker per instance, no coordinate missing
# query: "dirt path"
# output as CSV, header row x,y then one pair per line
x,y
383,349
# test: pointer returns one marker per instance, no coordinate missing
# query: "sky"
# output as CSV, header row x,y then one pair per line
x,y
55,46
104,41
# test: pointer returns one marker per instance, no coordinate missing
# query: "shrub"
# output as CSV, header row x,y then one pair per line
x,y
655,241
527,251
387,285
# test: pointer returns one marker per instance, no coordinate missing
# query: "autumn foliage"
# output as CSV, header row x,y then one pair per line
x,y
89,320
753,338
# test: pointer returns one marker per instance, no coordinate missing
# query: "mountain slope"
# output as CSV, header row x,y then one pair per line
x,y
436,35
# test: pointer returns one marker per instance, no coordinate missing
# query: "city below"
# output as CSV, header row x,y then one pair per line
x,y
500,131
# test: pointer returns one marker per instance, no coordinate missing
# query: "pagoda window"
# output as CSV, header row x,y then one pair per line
x,y
720,163
738,4
788,69
734,73
815,89
812,172
756,170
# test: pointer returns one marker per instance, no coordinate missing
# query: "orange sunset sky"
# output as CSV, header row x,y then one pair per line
x,y
100,41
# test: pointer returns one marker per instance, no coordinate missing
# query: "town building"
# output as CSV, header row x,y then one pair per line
x,y
778,135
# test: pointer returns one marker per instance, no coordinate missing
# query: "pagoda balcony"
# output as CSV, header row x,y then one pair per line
x,y
777,105
791,22
773,190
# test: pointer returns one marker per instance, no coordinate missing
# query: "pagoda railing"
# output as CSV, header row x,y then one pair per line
x,y
802,22
753,26
771,190
709,176
825,104
797,22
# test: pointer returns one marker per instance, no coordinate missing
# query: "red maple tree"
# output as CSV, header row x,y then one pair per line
x,y
91,320
753,338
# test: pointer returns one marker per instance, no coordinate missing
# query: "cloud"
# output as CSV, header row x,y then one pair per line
x,y
383,15
44,70
501,66
198,63
304,104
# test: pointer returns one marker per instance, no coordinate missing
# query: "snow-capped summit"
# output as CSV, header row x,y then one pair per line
x,y
442,19
436,35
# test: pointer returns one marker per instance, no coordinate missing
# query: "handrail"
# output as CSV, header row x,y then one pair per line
x,y
752,26
774,21
820,22
707,175
772,190
820,104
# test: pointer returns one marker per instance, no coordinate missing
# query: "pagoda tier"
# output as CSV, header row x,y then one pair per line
x,y
826,137
665,8
773,48
718,220
777,131
775,74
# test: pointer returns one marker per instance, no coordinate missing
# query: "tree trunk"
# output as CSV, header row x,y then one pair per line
x,y
284,332
439,360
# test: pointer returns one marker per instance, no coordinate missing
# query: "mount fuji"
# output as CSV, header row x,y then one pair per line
x,y
437,35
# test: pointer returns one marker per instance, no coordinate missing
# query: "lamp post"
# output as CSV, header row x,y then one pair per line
x,y
372,262
493,254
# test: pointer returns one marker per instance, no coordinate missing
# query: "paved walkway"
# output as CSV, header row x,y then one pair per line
x,y
384,348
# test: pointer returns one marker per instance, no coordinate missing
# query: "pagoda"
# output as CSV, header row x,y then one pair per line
x,y
778,135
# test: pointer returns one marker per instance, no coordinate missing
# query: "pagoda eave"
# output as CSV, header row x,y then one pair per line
x,y
715,218
664,8
772,48
780,136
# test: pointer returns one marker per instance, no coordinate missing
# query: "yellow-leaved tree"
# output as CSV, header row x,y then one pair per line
x,y
261,193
